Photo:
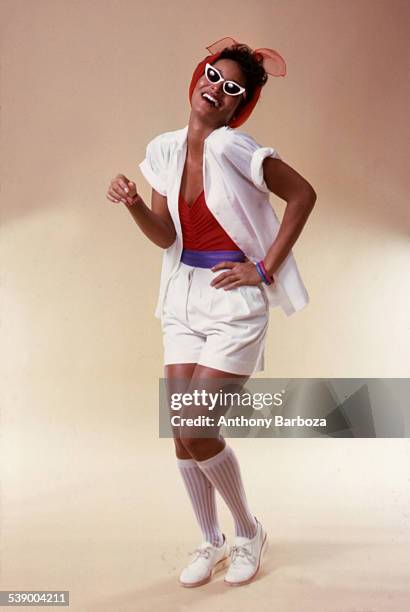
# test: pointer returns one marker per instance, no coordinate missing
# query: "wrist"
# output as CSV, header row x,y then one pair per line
x,y
136,200
263,273
268,270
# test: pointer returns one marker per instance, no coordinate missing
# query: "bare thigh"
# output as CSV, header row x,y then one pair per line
x,y
177,376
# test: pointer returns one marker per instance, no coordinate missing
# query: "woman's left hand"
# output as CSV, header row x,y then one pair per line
x,y
238,273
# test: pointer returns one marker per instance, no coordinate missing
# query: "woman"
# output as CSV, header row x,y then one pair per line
x,y
227,261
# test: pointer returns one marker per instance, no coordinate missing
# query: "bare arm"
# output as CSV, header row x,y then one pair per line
x,y
300,196
156,223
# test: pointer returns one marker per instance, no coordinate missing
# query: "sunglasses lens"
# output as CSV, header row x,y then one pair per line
x,y
231,88
212,75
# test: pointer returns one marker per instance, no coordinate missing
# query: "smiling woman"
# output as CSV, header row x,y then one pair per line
x,y
227,261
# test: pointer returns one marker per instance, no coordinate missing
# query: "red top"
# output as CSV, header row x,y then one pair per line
x,y
200,230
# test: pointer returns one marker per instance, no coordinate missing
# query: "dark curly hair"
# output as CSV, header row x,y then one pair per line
x,y
251,66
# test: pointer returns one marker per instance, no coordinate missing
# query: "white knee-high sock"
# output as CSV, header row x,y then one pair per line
x,y
223,471
202,494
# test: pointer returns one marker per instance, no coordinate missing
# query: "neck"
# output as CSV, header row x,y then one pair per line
x,y
197,132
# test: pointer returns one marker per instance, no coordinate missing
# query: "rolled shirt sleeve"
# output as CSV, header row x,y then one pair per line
x,y
258,157
247,156
154,166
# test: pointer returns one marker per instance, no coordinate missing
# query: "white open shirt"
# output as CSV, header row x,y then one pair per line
x,y
236,194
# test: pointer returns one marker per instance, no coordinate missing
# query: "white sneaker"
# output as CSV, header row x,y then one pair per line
x,y
207,561
246,556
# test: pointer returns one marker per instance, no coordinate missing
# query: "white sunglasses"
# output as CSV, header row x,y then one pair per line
x,y
229,87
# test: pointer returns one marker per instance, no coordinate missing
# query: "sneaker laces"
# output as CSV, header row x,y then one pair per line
x,y
201,552
241,552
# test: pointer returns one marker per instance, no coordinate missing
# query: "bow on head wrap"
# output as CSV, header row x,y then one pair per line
x,y
273,63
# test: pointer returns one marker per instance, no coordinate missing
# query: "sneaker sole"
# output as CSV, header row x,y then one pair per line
x,y
222,564
263,550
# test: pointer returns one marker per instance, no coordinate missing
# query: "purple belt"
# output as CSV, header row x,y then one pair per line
x,y
207,259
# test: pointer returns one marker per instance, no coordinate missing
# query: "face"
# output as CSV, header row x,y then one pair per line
x,y
227,105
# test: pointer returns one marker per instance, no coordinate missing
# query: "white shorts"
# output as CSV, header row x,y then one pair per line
x,y
225,330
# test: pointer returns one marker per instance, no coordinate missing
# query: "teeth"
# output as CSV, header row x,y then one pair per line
x,y
209,97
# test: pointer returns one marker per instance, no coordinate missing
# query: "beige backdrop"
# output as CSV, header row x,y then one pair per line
x,y
91,498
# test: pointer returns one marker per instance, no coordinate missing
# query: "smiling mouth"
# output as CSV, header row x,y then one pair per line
x,y
211,100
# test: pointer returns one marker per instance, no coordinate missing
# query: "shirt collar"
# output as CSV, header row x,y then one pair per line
x,y
184,135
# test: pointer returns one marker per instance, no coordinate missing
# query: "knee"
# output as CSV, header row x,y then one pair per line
x,y
180,450
202,448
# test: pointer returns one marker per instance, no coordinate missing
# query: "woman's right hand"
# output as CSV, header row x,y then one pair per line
x,y
122,190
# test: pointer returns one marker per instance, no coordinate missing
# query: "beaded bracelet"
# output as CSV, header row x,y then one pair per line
x,y
260,266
